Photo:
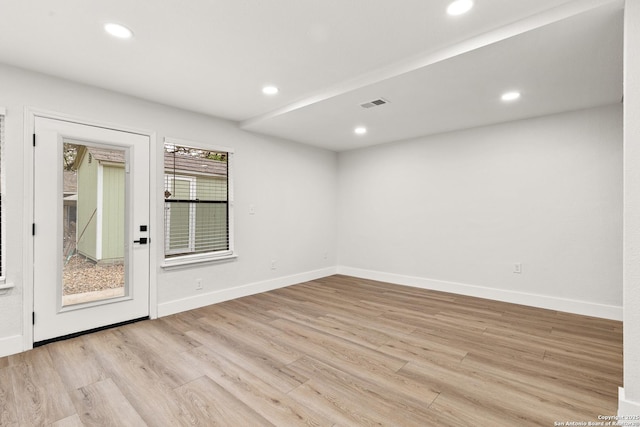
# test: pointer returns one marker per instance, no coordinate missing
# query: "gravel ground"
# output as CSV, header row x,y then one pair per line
x,y
82,275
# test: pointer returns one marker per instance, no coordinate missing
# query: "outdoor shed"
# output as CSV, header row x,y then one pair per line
x,y
100,203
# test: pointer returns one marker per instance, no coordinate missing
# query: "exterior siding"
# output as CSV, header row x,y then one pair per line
x,y
113,209
211,219
179,220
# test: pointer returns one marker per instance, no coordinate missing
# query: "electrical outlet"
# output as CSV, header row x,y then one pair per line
x,y
252,209
198,284
325,255
273,264
517,268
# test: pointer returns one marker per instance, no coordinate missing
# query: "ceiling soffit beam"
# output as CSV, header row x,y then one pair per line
x,y
416,62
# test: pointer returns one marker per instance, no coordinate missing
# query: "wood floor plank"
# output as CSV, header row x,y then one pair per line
x,y
214,406
331,347
335,304
541,382
240,330
458,412
72,421
266,368
358,361
182,322
604,370
362,400
171,336
585,383
432,322
282,299
385,327
75,363
40,393
493,395
412,348
359,312
337,351
478,343
102,404
336,408
151,397
590,373
253,305
271,404
156,354
588,335
8,416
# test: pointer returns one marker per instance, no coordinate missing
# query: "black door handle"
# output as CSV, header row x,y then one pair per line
x,y
142,241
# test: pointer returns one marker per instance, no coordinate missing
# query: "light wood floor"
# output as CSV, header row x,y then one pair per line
x,y
337,351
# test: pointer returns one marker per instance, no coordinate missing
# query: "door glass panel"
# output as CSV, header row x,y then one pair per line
x,y
94,231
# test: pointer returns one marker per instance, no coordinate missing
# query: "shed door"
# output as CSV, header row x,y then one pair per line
x,y
91,216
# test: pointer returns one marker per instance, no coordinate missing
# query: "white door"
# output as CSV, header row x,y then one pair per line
x,y
91,216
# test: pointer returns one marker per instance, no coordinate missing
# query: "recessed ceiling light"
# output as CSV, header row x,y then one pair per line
x,y
459,7
270,90
510,96
117,30
360,130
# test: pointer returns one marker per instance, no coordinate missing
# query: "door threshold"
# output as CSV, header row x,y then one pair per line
x,y
90,331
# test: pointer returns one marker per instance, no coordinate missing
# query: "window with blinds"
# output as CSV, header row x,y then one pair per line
x,y
196,201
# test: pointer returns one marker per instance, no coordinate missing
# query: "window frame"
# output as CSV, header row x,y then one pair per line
x,y
213,256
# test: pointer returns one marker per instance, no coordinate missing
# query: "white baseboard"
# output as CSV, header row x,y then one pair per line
x,y
627,407
201,300
11,345
534,300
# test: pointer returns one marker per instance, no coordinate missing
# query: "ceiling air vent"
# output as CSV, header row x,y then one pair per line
x,y
374,103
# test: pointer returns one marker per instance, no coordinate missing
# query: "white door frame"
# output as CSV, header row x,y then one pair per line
x,y
30,114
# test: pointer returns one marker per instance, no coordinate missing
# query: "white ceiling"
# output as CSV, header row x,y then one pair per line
x,y
439,72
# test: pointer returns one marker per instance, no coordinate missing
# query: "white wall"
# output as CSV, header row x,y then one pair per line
x,y
456,211
292,186
630,396
293,190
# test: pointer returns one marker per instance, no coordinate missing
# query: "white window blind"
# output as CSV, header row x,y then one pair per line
x,y
196,201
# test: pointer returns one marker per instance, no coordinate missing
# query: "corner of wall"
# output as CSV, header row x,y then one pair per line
x,y
627,408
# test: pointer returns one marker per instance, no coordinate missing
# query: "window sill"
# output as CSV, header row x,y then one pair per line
x,y
4,286
174,263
